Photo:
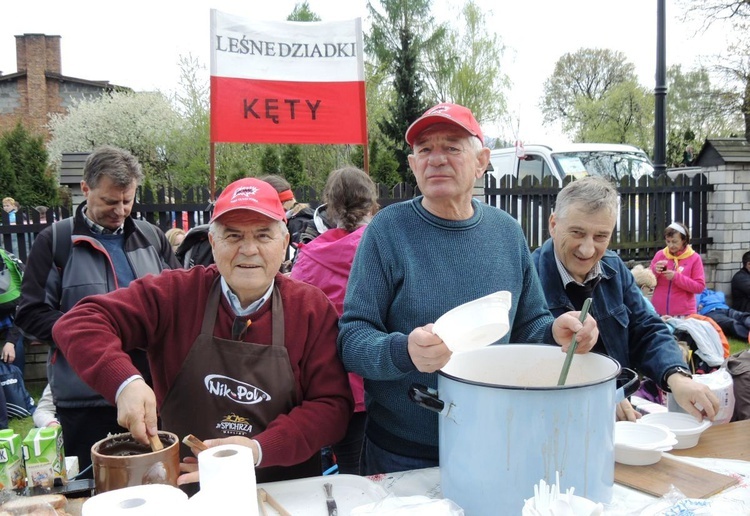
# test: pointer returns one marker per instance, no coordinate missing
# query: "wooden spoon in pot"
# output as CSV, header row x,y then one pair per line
x,y
155,443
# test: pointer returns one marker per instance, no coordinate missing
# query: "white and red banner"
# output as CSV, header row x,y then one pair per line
x,y
287,82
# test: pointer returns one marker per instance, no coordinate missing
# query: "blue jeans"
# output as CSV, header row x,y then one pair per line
x,y
376,460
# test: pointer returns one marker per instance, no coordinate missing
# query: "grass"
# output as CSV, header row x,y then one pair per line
x,y
22,426
737,345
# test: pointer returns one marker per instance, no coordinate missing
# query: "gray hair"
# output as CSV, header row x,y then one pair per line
x,y
589,194
117,164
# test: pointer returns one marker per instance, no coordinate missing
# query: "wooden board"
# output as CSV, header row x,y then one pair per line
x,y
728,441
657,479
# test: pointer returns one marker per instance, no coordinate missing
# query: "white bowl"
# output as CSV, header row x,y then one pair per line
x,y
640,444
475,324
685,427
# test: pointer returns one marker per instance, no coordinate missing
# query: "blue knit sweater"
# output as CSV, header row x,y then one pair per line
x,y
410,268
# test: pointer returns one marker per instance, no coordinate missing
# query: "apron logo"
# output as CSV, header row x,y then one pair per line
x,y
239,392
232,424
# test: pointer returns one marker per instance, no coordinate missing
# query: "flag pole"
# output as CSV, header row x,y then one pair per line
x,y
366,157
212,167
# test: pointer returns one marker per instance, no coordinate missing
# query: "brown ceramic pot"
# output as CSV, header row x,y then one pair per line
x,y
121,461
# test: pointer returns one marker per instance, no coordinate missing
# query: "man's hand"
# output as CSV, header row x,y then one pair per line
x,y
9,352
626,412
696,398
190,466
428,351
568,324
136,410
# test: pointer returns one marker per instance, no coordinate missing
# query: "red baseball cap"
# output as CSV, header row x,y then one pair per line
x,y
445,113
251,194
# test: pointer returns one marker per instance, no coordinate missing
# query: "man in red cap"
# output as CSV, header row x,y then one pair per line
x,y
239,353
417,260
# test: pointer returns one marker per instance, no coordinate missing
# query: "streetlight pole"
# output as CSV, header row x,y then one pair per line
x,y
660,92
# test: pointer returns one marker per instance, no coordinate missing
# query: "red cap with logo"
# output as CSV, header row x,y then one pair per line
x,y
250,194
445,114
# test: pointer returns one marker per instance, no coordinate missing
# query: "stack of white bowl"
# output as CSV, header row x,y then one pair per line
x,y
641,444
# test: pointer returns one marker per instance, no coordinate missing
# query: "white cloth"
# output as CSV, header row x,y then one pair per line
x,y
710,348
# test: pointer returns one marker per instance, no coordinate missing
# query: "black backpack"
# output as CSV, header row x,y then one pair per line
x,y
195,249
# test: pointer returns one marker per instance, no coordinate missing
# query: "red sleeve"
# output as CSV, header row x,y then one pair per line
x,y
321,419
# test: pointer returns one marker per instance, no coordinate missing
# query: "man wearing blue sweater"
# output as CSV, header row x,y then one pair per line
x,y
417,260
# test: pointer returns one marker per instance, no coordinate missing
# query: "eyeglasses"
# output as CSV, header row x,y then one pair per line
x,y
647,290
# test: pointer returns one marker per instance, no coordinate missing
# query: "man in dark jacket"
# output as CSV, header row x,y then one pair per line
x,y
98,250
574,264
741,286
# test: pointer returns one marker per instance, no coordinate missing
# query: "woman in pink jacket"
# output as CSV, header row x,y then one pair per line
x,y
679,274
352,200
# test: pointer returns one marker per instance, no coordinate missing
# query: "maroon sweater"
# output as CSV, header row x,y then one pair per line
x,y
164,314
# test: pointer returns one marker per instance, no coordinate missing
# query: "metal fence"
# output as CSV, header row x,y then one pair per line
x,y
647,206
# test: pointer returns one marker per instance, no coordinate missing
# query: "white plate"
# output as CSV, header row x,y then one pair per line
x,y
306,496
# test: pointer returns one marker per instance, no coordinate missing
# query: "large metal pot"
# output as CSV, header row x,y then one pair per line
x,y
507,425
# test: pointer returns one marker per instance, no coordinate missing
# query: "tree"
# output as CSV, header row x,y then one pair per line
x,y
580,79
384,169
302,12
624,114
735,69
35,185
466,68
8,179
734,17
270,163
141,123
696,110
292,166
187,150
399,34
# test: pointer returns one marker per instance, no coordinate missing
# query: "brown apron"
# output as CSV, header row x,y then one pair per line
x,y
227,387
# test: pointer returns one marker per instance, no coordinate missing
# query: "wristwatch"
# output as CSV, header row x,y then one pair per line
x,y
675,370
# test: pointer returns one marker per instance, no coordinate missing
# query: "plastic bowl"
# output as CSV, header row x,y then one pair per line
x,y
475,324
685,427
640,444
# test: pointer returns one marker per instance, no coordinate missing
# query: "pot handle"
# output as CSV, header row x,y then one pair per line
x,y
630,383
426,397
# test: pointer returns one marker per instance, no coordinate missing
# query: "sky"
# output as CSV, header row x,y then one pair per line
x,y
138,43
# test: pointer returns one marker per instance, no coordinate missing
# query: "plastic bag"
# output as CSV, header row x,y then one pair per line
x,y
393,505
721,384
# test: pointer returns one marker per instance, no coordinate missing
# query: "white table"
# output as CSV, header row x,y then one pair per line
x,y
625,501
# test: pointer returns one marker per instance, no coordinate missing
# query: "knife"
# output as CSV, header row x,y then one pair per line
x,y
330,502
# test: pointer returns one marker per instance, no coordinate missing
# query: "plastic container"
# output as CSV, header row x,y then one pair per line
x,y
641,444
475,324
685,427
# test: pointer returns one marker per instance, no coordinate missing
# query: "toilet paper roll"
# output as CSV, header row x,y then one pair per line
x,y
227,470
148,500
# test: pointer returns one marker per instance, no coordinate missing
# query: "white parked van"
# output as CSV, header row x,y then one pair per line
x,y
614,161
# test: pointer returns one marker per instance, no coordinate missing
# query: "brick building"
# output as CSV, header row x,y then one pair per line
x,y
38,88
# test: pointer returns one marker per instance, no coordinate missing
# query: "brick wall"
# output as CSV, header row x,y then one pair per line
x,y
729,220
36,363
39,88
